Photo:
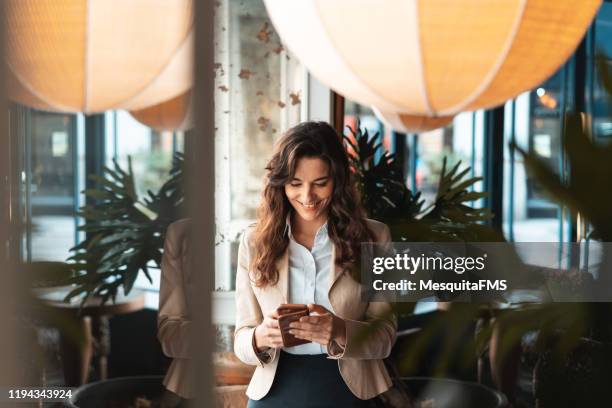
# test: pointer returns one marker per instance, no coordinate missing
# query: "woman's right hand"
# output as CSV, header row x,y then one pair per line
x,y
268,334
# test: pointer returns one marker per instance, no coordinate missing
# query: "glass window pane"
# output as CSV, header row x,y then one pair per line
x,y
600,104
150,151
52,144
151,154
355,114
456,142
530,214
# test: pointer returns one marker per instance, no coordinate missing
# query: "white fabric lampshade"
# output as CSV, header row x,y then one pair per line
x,y
405,123
95,55
431,57
171,115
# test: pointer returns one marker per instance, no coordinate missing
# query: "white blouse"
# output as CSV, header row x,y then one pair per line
x,y
309,279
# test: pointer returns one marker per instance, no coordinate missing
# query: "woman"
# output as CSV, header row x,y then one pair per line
x,y
303,249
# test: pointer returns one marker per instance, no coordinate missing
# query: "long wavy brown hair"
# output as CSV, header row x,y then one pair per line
x,y
346,223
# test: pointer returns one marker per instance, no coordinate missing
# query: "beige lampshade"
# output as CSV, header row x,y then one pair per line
x,y
172,115
405,123
431,57
95,55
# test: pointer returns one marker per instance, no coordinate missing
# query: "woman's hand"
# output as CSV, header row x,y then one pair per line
x,y
268,334
320,328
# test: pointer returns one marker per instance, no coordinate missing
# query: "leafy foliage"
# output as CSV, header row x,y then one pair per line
x,y
380,181
124,234
387,198
584,192
562,327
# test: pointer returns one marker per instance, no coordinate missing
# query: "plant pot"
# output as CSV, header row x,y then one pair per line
x,y
117,392
123,392
48,276
448,393
580,378
52,292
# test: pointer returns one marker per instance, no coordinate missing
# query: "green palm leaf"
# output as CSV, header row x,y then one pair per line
x,y
386,197
124,235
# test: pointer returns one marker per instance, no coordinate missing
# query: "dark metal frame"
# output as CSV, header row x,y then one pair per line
x,y
494,164
95,149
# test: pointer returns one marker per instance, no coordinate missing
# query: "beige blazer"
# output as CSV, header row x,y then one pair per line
x,y
173,319
360,361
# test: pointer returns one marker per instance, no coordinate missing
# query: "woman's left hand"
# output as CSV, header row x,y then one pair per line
x,y
320,328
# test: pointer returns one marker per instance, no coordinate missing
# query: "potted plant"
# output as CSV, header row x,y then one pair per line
x,y
575,339
48,276
386,197
124,233
449,218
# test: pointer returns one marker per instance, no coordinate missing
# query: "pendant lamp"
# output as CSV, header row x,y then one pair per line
x,y
432,57
172,115
405,123
94,55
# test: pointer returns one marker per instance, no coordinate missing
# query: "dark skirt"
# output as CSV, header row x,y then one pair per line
x,y
308,381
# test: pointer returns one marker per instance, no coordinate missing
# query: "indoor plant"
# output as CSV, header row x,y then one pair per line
x,y
124,234
386,197
449,218
575,339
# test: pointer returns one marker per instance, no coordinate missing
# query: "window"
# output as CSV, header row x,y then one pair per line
x,y
259,94
364,117
534,122
598,102
49,143
151,153
599,106
422,154
460,141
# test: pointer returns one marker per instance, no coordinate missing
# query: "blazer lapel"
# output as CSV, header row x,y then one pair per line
x,y
336,270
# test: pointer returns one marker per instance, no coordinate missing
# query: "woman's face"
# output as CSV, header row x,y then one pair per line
x,y
310,190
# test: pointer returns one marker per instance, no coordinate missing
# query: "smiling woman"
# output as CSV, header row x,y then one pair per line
x,y
312,150
309,193
304,250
